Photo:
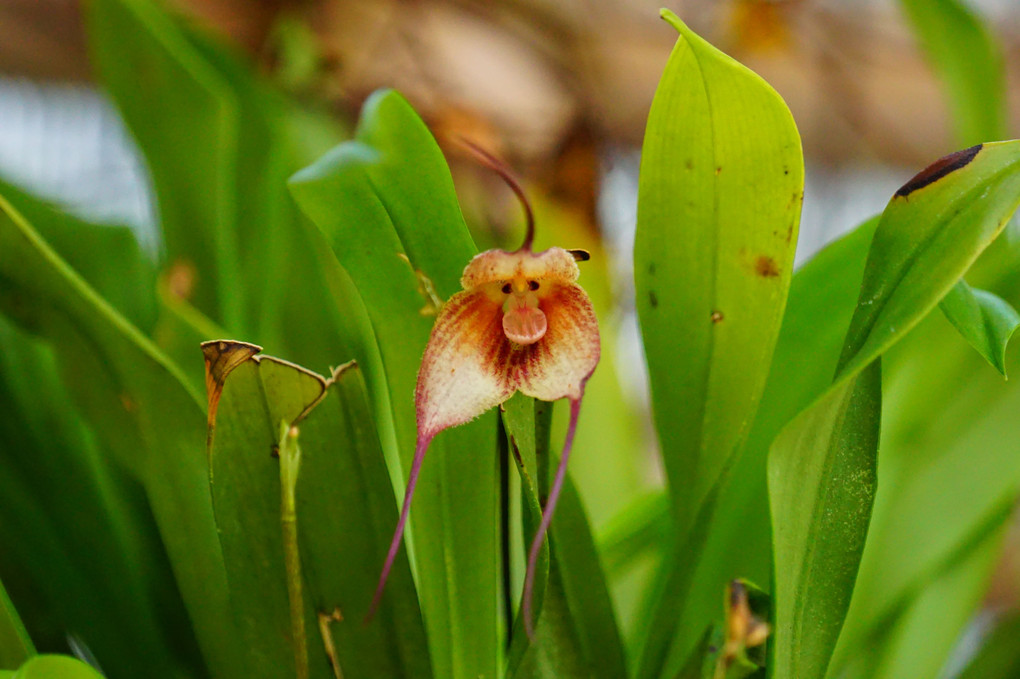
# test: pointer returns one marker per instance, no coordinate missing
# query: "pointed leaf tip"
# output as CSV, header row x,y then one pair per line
x,y
221,357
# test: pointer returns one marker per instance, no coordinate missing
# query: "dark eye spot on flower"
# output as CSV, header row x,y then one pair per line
x,y
532,285
939,169
766,267
507,288
580,255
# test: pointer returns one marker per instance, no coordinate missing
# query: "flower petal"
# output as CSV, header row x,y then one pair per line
x,y
554,264
558,364
464,370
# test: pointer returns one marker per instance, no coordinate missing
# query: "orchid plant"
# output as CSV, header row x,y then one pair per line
x,y
161,520
520,324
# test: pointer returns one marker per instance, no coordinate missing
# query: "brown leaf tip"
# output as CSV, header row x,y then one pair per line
x,y
939,169
222,356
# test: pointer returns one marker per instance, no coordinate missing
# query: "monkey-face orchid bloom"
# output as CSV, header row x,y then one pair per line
x,y
521,323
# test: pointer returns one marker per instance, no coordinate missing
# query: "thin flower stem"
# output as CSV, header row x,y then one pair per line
x,y
500,168
290,465
547,514
412,479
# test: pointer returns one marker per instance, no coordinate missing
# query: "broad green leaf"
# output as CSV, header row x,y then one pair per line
x,y
141,410
55,667
108,257
343,504
15,644
969,61
576,633
822,475
54,469
555,649
719,204
698,666
933,508
346,514
220,151
916,639
718,208
182,114
637,528
931,232
366,197
822,298
984,319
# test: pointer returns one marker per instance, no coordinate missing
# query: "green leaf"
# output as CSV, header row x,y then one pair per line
x,y
555,649
106,256
55,468
984,319
999,655
640,526
698,666
389,193
822,299
933,508
220,150
970,62
55,667
182,114
930,233
576,633
932,230
343,513
718,209
140,408
15,644
346,514
822,474
917,636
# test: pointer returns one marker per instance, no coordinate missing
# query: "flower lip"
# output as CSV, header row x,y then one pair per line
x,y
524,322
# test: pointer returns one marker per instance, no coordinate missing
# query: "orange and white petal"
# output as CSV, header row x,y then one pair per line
x,y
463,372
492,266
557,365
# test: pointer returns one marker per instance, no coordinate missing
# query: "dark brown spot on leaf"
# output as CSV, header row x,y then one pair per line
x,y
766,267
689,164
939,169
717,316
652,299
718,170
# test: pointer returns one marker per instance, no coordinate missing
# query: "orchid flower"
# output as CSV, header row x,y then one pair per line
x,y
521,323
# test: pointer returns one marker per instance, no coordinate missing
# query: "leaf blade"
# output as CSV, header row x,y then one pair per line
x,y
984,319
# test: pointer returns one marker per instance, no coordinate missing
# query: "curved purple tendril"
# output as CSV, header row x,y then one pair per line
x,y
412,479
501,168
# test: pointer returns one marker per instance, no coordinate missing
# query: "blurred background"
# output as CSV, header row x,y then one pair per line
x,y
560,88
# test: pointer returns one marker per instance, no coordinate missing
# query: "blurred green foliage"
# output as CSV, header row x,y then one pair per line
x,y
157,531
